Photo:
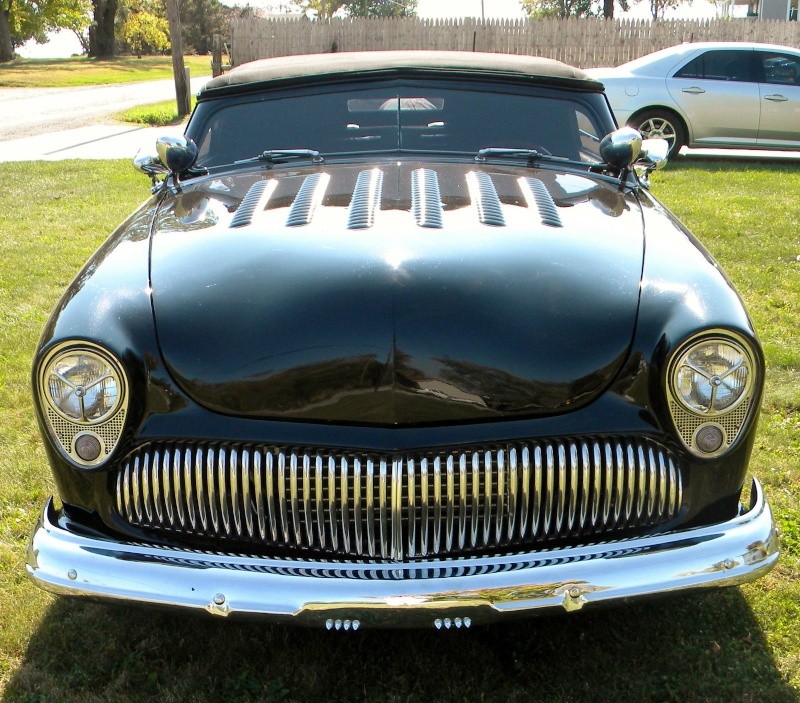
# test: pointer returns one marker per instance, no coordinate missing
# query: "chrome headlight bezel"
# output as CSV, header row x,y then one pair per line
x,y
85,438
695,423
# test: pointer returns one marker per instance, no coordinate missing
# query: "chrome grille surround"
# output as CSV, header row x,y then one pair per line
x,y
400,507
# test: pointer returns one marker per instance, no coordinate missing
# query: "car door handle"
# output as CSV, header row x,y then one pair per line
x,y
776,98
694,90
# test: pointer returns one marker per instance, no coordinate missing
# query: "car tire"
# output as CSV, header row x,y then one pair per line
x,y
661,124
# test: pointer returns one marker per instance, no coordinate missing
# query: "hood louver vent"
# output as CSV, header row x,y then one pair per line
x,y
426,200
482,192
366,199
255,201
539,197
308,199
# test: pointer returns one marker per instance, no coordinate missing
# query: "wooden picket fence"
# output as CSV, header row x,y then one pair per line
x,y
581,42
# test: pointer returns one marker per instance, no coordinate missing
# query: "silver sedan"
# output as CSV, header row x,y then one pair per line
x,y
713,94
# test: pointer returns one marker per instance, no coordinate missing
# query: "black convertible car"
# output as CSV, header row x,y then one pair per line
x,y
400,339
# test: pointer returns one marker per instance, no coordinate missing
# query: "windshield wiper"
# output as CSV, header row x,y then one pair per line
x,y
281,156
530,155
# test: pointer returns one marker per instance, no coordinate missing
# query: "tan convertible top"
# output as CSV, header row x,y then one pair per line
x,y
464,63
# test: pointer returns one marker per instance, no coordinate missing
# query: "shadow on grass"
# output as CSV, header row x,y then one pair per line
x,y
705,647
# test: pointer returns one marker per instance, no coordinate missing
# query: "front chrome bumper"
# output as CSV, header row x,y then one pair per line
x,y
443,594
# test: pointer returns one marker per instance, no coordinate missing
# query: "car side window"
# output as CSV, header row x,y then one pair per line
x,y
782,69
723,65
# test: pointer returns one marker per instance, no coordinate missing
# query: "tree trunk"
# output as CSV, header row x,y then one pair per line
x,y
6,47
608,9
181,84
101,33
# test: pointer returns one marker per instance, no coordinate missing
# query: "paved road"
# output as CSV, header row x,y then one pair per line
x,y
75,123
27,112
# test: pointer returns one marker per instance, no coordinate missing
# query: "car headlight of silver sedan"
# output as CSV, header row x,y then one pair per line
x,y
710,387
83,396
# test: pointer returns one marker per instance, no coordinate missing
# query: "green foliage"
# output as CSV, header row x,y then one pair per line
x,y
325,9
381,8
200,21
144,33
542,9
32,19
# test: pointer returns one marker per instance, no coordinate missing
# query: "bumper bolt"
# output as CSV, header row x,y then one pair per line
x,y
72,574
219,599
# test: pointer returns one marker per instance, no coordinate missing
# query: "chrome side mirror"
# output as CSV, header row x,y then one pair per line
x,y
149,164
178,154
654,154
621,148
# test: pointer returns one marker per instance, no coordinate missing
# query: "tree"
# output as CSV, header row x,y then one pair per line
x,y
381,8
323,9
658,7
144,33
21,20
101,31
540,9
200,21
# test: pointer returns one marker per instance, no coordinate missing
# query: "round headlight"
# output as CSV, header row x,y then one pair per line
x,y
83,395
712,376
82,386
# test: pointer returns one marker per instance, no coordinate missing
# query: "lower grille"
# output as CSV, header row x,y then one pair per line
x,y
400,507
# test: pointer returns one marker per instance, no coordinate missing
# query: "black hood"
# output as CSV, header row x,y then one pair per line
x,y
396,295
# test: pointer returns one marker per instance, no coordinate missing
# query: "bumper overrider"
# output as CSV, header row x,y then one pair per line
x,y
444,594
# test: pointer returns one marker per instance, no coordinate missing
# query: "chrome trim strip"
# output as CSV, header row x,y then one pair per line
x,y
366,199
484,196
412,594
308,199
538,197
254,202
426,200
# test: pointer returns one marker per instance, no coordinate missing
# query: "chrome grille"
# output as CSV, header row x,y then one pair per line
x,y
400,507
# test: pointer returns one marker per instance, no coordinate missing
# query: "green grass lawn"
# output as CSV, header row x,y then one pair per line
x,y
153,114
733,646
63,73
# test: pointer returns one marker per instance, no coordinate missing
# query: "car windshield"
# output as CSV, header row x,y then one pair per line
x,y
416,118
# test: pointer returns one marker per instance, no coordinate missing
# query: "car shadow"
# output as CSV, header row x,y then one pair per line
x,y
704,647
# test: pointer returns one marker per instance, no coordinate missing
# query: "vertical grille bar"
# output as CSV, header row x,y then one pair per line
x,y
180,500
397,509
308,518
272,510
294,499
526,493
233,477
261,515
155,486
462,500
512,492
370,508
357,516
411,509
424,525
248,512
451,497
437,505
345,503
501,489
383,507
332,507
